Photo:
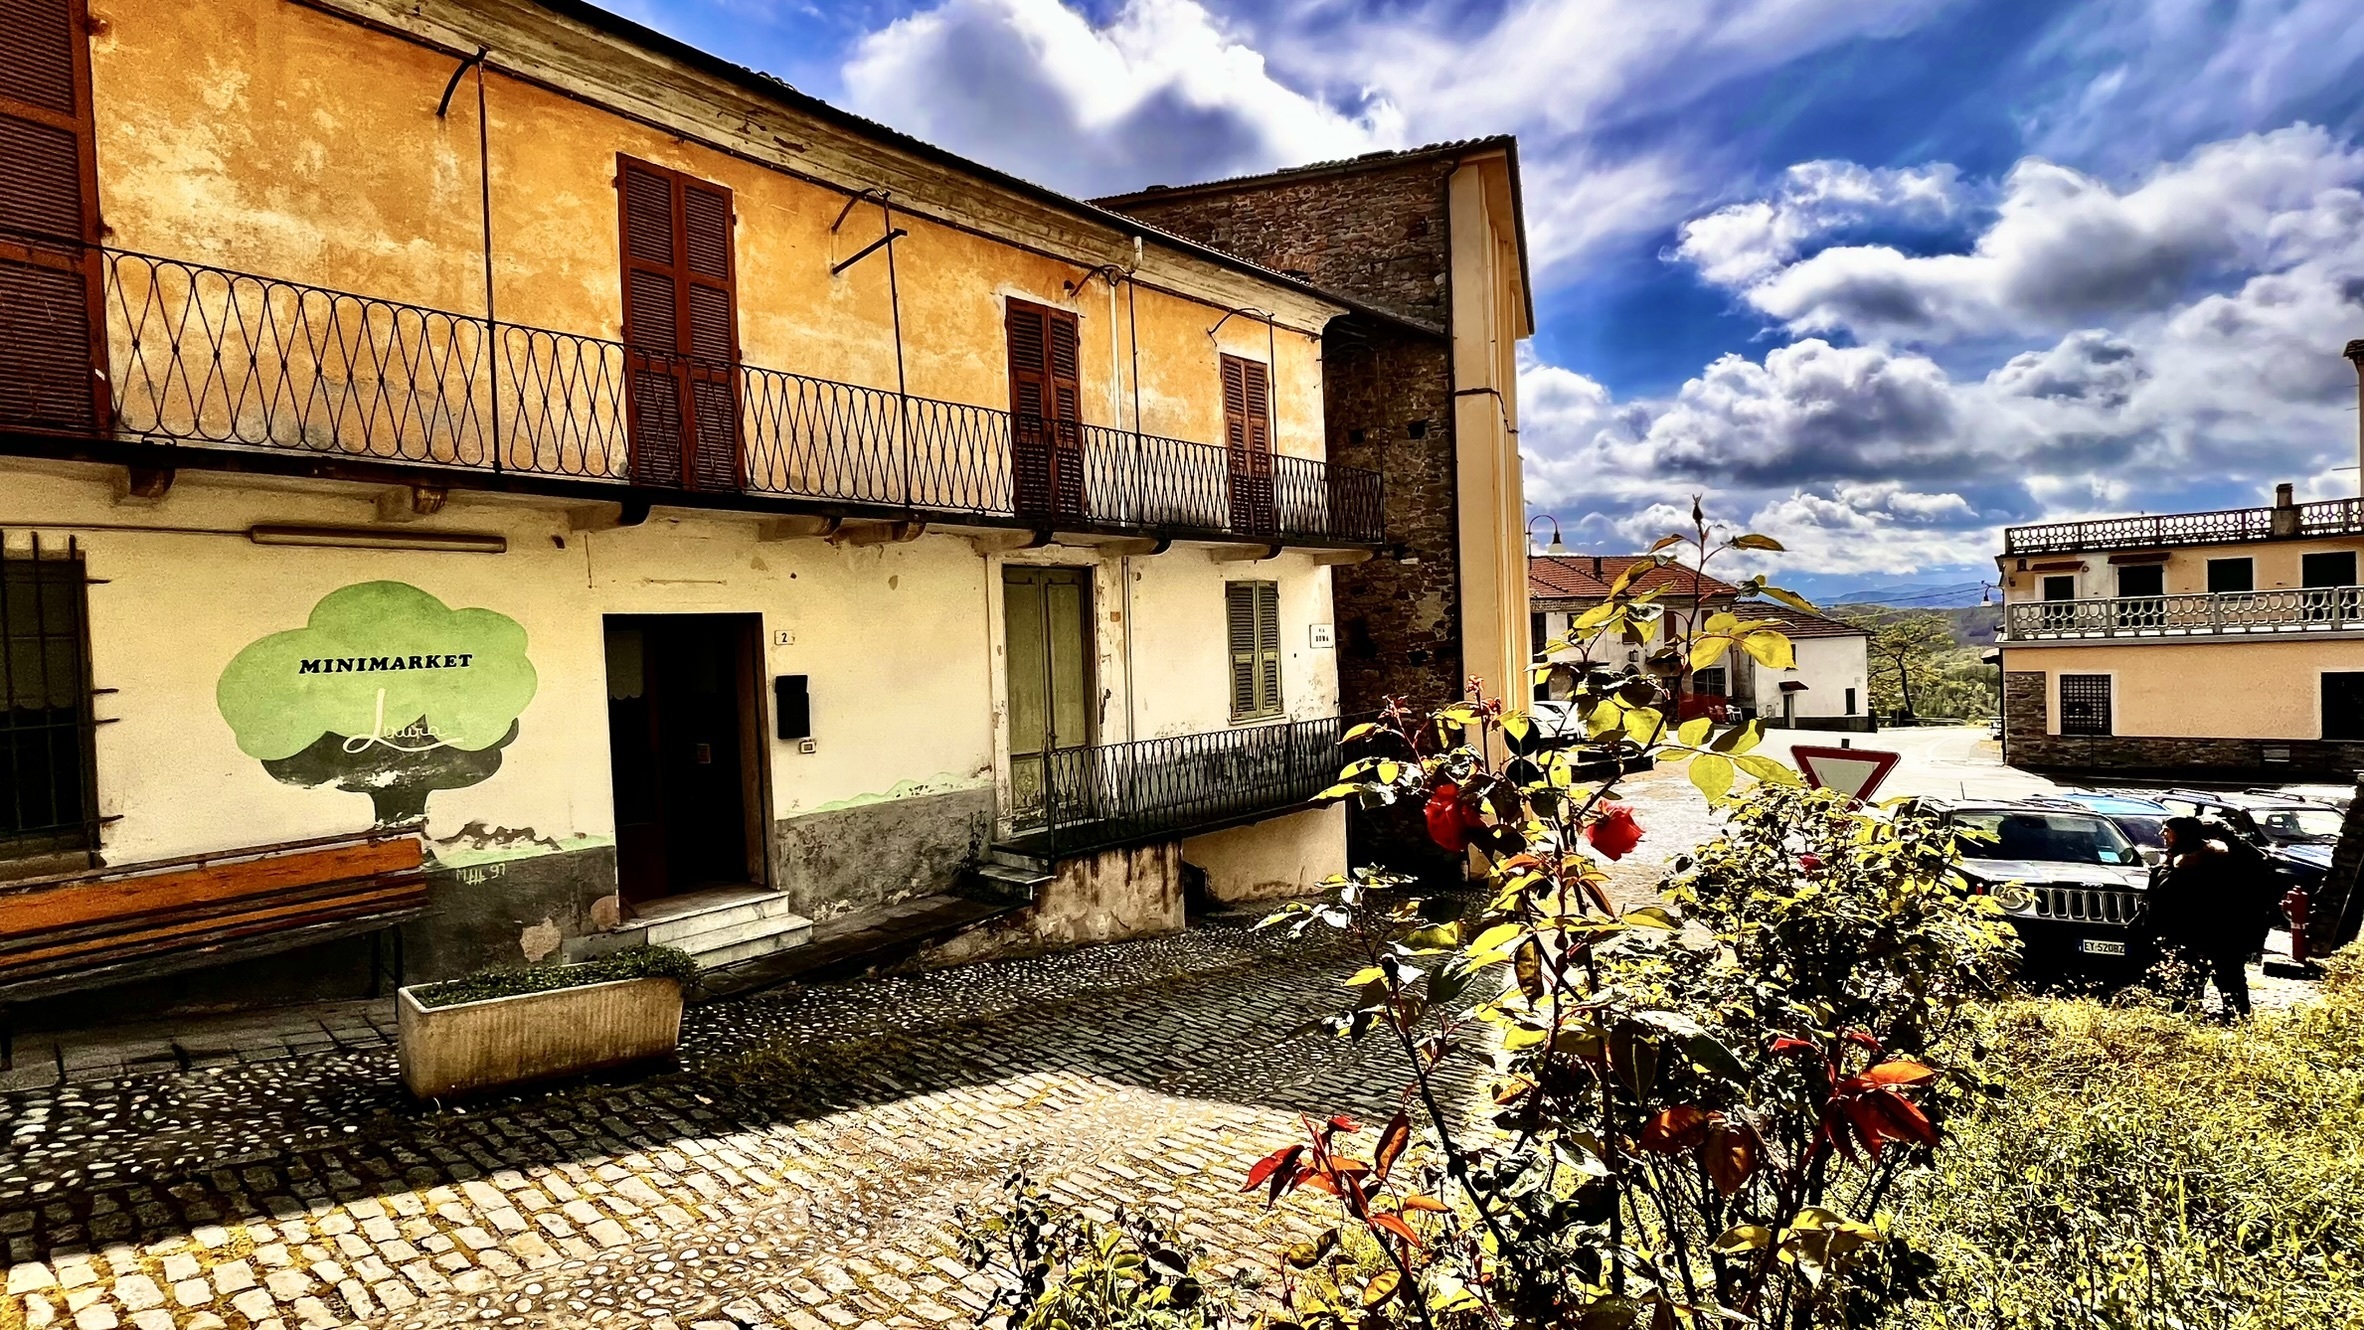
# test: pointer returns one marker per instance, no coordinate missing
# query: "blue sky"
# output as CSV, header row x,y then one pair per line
x,y
1876,276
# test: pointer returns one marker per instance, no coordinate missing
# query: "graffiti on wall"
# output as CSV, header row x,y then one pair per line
x,y
385,691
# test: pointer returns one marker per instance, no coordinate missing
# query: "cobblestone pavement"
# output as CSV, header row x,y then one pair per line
x,y
799,1169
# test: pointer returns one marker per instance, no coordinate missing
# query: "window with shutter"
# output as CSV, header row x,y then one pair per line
x,y
1252,613
1046,412
50,310
681,328
1247,444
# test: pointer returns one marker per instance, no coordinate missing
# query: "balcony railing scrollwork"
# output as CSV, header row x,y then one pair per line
x,y
1150,789
203,355
2330,517
2198,615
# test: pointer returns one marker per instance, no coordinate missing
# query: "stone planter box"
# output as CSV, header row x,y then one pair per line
x,y
477,1046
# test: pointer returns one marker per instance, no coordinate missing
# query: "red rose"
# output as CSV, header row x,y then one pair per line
x,y
1449,824
1810,864
1613,831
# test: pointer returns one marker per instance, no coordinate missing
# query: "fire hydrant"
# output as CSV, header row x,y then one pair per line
x,y
2295,906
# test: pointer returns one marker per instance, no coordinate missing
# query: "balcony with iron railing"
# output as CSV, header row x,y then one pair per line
x,y
207,366
2330,517
1076,800
2222,614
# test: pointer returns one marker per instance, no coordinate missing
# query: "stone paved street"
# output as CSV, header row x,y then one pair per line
x,y
799,1169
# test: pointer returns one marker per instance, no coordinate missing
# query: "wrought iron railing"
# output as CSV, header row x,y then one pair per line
x,y
2330,517
1116,794
2224,613
204,355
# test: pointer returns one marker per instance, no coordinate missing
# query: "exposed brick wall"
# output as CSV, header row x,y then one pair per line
x,y
1399,621
1378,235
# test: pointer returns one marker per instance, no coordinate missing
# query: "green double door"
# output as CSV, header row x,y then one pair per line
x,y
1047,619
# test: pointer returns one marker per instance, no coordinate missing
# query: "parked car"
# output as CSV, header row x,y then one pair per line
x,y
2298,835
2070,882
2143,820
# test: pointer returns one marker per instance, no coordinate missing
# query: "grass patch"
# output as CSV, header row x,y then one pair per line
x,y
2136,1169
634,963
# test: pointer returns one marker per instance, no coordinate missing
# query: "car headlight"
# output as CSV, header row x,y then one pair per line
x,y
2013,896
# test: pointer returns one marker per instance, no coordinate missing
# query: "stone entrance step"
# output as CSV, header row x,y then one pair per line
x,y
857,943
720,926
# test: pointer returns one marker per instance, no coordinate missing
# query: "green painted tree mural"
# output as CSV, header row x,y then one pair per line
x,y
385,691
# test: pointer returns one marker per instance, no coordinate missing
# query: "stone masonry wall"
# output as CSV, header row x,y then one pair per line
x,y
1378,234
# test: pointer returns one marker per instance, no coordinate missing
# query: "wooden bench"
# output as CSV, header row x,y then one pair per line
x,y
94,929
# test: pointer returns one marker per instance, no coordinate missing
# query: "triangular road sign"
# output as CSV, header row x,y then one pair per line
x,y
1855,771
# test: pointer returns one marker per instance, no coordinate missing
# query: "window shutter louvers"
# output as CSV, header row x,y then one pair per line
x,y
50,306
680,329
1252,623
1046,410
1247,444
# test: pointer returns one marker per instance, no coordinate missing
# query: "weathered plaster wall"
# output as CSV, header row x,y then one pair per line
x,y
1106,897
1488,315
1286,856
276,139
900,644
1829,667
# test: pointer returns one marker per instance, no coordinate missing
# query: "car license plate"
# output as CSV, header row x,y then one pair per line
x,y
2094,946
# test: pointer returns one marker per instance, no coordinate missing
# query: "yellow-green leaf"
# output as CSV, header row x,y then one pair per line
x,y
1643,725
1791,599
1753,541
1594,617
1765,769
1744,1237
1708,650
1771,650
1494,942
1694,730
1712,773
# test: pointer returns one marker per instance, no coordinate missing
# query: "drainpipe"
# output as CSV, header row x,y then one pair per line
x,y
2355,355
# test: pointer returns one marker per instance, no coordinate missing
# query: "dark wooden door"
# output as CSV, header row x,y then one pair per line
x,y
51,325
681,329
1247,445
680,739
1046,412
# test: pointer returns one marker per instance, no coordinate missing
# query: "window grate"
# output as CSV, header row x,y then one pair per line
x,y
48,783
2085,704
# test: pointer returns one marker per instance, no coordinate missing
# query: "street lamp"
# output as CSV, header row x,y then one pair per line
x,y
1557,546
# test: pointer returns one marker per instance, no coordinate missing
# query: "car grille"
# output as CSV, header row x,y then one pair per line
x,y
2086,905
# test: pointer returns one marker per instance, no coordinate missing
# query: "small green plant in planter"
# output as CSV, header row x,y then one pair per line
x,y
633,963
508,1027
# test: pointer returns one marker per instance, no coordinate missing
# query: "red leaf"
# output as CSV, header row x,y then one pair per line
x,y
1392,1141
1613,830
1786,1044
1341,1122
1271,1164
1449,824
1395,1224
1888,1115
1864,1040
1732,1156
1900,1072
1671,1130
1428,1204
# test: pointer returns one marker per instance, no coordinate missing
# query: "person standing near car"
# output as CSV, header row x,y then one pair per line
x,y
2199,913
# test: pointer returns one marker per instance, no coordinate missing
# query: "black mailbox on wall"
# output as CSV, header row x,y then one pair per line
x,y
793,706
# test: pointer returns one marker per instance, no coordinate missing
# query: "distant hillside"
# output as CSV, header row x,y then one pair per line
x,y
1914,595
1973,625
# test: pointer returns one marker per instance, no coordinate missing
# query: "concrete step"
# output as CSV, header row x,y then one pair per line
x,y
858,943
669,923
735,938
1008,882
1009,858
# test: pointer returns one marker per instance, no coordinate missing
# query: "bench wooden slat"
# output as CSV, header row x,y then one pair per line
x,y
67,905
376,897
327,894
128,969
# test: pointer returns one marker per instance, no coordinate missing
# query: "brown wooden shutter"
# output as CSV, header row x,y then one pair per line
x,y
1046,411
1247,444
51,315
681,328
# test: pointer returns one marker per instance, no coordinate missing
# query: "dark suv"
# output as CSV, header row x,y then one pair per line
x,y
2070,882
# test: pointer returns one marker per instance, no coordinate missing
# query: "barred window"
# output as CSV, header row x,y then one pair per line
x,y
2085,704
1252,614
48,802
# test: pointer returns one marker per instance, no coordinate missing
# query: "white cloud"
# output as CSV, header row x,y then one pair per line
x,y
1160,92
2065,248
1744,242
